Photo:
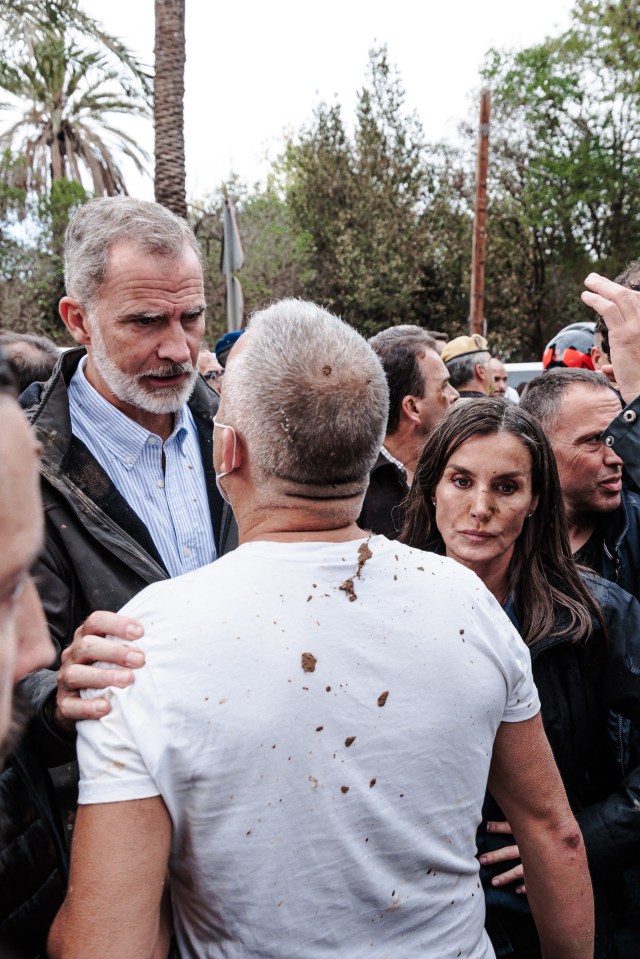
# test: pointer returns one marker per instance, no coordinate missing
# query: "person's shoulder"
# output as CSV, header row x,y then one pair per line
x,y
165,596
620,609
599,587
204,401
442,568
631,500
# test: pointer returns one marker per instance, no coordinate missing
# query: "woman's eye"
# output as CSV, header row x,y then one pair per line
x,y
507,488
461,481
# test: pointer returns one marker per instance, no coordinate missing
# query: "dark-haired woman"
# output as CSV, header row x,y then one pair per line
x,y
486,492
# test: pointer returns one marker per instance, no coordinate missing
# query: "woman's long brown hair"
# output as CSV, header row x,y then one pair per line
x,y
542,576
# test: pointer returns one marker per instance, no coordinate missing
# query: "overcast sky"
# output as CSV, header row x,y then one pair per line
x,y
256,69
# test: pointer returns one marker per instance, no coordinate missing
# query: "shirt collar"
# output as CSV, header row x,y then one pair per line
x,y
385,452
127,439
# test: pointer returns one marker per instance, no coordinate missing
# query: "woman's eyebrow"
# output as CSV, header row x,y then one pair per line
x,y
510,474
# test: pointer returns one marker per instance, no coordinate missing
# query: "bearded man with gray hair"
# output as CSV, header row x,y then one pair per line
x,y
125,427
310,762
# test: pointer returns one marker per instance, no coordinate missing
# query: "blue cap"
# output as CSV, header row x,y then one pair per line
x,y
225,342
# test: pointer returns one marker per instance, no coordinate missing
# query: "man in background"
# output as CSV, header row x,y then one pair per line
x,y
439,338
419,396
574,407
33,357
500,378
125,425
468,361
210,369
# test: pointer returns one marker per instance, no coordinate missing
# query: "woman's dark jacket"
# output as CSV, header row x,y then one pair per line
x,y
590,698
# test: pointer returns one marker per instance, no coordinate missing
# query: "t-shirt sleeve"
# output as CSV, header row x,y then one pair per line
x,y
523,701
112,766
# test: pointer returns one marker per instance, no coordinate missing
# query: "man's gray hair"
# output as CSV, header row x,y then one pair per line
x,y
462,369
310,396
543,396
101,223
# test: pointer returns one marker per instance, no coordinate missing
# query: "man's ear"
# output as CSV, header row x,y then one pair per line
x,y
410,408
481,372
595,356
74,318
232,451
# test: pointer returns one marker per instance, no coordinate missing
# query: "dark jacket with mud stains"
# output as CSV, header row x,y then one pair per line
x,y
97,554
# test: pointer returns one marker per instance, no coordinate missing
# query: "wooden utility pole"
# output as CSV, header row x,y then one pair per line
x,y
476,312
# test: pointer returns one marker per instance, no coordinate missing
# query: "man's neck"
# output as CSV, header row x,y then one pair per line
x,y
474,386
404,447
581,528
286,517
343,535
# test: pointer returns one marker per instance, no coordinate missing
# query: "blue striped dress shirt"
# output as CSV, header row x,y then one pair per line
x,y
172,503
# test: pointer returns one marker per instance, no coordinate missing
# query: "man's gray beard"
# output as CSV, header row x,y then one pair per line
x,y
131,388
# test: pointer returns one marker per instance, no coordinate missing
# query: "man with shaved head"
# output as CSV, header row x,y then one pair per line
x,y
310,761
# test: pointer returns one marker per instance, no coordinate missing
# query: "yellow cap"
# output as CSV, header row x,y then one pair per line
x,y
463,346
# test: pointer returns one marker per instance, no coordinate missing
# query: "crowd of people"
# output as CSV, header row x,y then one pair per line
x,y
311,645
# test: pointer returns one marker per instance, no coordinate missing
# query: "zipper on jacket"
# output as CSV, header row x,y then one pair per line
x,y
615,559
621,747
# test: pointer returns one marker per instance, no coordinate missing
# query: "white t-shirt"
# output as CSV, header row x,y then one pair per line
x,y
323,751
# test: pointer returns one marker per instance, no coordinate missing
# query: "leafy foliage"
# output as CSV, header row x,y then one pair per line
x,y
365,202
565,161
63,96
63,79
371,220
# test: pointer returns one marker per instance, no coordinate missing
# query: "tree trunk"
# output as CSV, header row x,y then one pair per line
x,y
168,105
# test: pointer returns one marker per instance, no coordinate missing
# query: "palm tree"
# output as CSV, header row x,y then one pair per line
x,y
24,18
168,105
64,97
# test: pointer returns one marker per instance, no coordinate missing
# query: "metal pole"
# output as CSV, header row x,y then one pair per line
x,y
476,312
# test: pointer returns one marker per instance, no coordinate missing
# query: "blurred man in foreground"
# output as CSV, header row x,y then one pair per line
x,y
24,638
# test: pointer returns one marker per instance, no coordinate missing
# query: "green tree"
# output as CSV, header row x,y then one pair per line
x,y
386,216
64,81
31,270
64,97
564,169
23,19
276,255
